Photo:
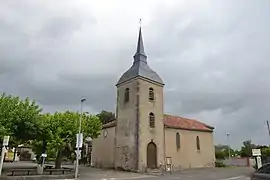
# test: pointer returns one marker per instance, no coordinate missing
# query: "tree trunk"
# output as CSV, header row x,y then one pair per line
x,y
58,160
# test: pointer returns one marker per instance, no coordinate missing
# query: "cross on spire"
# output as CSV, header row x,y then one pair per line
x,y
140,54
140,67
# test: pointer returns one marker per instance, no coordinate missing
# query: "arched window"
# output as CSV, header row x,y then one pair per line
x,y
198,143
177,141
151,120
126,94
151,94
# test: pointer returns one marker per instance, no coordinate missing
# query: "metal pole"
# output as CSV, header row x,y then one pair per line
x,y
2,159
267,123
229,148
78,149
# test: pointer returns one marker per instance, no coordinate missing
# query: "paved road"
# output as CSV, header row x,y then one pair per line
x,y
213,174
88,173
199,174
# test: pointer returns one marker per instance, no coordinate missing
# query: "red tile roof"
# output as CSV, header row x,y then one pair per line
x,y
175,122
109,124
184,123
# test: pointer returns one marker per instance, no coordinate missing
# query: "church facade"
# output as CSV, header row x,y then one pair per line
x,y
142,137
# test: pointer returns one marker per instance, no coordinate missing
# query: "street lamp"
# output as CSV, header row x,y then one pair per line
x,y
229,149
78,140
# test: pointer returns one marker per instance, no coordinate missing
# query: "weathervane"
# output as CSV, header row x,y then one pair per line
x,y
140,22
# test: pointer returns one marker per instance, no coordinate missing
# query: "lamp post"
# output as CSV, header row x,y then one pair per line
x,y
78,140
229,148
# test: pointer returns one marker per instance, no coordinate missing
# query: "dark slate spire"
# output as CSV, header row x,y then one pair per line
x,y
140,67
140,54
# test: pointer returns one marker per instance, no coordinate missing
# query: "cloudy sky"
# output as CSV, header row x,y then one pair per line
x,y
213,56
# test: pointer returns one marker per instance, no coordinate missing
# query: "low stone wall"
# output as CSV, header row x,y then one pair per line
x,y
244,162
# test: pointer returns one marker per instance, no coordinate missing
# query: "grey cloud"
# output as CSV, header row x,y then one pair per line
x,y
60,27
213,58
217,62
64,27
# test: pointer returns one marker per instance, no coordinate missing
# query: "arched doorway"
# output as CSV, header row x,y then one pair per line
x,y
151,155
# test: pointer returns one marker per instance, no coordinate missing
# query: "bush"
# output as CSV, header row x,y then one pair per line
x,y
219,164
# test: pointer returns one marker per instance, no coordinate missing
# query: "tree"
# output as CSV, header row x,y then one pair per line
x,y
59,130
246,150
222,151
265,152
220,155
19,119
106,116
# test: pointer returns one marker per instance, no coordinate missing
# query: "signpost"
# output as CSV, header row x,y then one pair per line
x,y
169,164
257,153
79,143
79,140
43,155
5,143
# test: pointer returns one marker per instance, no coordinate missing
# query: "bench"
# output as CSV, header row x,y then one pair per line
x,y
48,166
23,170
57,170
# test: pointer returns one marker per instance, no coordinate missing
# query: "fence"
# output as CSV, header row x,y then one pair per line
x,y
243,162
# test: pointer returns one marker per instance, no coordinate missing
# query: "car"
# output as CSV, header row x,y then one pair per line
x,y
263,173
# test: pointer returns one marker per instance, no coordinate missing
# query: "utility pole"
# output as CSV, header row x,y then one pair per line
x,y
229,148
79,141
267,123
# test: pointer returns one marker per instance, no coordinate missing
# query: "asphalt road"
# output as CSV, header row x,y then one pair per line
x,y
87,173
198,174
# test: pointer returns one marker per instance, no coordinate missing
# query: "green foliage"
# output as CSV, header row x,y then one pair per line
x,y
219,164
222,151
265,151
246,150
19,119
220,155
106,116
60,129
23,122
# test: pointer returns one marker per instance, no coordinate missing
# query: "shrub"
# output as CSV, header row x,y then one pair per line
x,y
219,164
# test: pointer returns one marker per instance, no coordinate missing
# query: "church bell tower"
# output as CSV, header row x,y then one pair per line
x,y
139,134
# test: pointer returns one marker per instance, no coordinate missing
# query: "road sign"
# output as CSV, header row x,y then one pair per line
x,y
259,162
256,152
5,140
79,140
44,155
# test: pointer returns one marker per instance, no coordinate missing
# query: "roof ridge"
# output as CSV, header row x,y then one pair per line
x,y
181,117
191,120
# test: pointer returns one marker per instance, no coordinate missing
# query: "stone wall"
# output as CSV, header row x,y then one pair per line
x,y
244,162
146,133
125,145
103,149
187,156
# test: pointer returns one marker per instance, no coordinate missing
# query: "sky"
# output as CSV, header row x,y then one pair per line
x,y
213,56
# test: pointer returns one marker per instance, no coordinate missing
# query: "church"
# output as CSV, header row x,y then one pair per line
x,y
142,137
